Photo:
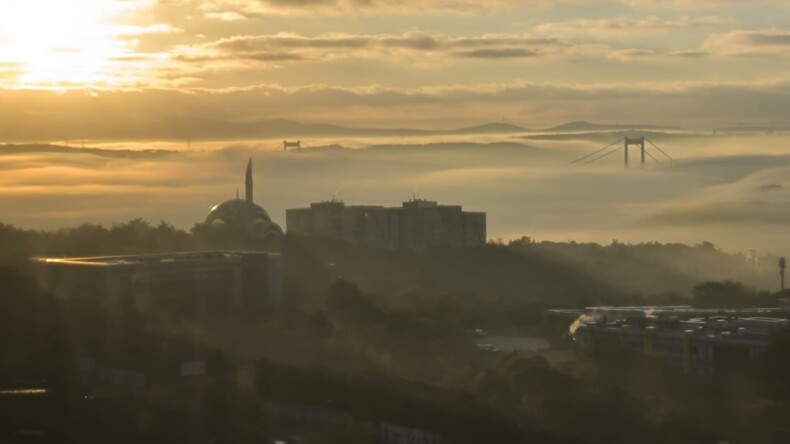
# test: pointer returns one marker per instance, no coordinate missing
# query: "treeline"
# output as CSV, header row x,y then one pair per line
x,y
653,268
493,272
137,236
489,287
729,294
501,287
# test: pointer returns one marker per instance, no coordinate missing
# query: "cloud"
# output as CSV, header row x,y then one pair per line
x,y
767,42
724,213
234,53
296,47
734,44
688,54
498,53
169,113
227,16
625,55
257,8
522,190
627,25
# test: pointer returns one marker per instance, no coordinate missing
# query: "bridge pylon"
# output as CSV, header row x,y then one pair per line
x,y
636,141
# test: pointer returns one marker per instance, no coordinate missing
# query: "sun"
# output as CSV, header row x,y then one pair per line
x,y
62,43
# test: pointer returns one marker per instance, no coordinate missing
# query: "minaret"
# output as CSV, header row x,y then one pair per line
x,y
249,181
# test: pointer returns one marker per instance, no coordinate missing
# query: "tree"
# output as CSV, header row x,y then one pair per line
x,y
726,294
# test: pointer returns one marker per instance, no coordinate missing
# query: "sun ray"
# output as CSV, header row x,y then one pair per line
x,y
75,43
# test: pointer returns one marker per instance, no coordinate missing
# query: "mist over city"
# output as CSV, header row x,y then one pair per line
x,y
435,221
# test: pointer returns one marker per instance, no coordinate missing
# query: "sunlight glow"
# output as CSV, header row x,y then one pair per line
x,y
56,43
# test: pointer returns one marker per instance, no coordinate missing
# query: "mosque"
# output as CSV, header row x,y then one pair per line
x,y
244,214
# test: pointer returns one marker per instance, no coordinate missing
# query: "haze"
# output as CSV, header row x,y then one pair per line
x,y
197,78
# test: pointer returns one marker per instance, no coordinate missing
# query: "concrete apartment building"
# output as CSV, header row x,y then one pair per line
x,y
416,225
195,281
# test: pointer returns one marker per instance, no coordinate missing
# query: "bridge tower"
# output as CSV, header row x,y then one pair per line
x,y
637,141
287,144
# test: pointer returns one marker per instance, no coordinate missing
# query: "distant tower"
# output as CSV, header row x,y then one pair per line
x,y
639,141
249,182
782,266
287,144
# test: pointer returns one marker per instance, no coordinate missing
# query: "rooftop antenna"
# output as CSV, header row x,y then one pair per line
x,y
782,266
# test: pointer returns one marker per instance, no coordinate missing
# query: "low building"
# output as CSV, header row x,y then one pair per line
x,y
699,340
190,282
417,225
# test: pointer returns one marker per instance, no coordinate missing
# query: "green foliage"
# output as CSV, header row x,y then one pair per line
x,y
726,294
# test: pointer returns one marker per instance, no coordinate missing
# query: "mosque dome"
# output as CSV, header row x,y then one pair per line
x,y
244,214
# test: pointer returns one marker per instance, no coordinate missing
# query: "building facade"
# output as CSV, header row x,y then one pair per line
x,y
182,282
416,225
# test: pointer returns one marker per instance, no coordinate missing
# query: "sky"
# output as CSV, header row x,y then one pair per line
x,y
733,190
111,74
425,64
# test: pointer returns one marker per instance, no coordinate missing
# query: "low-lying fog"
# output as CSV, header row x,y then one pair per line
x,y
730,190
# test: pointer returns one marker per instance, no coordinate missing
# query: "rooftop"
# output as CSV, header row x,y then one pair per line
x,y
666,310
109,261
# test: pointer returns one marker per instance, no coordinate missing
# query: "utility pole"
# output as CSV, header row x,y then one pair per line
x,y
782,266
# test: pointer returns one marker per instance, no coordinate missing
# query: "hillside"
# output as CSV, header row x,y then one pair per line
x,y
480,274
581,126
652,268
490,128
196,128
62,149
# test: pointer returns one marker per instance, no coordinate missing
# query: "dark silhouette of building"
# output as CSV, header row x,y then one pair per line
x,y
244,214
199,281
638,141
417,225
287,144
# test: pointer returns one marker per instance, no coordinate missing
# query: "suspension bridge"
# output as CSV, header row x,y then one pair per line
x,y
625,143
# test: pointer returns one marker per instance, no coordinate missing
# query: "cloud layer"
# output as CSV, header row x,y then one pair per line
x,y
737,200
534,62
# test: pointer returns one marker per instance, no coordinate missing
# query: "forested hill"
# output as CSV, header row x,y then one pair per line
x,y
523,272
491,273
655,268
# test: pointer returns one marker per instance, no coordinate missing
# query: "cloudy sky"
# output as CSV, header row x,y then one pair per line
x,y
422,63
116,72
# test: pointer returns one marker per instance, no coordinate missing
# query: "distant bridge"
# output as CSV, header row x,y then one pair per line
x,y
287,144
626,143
